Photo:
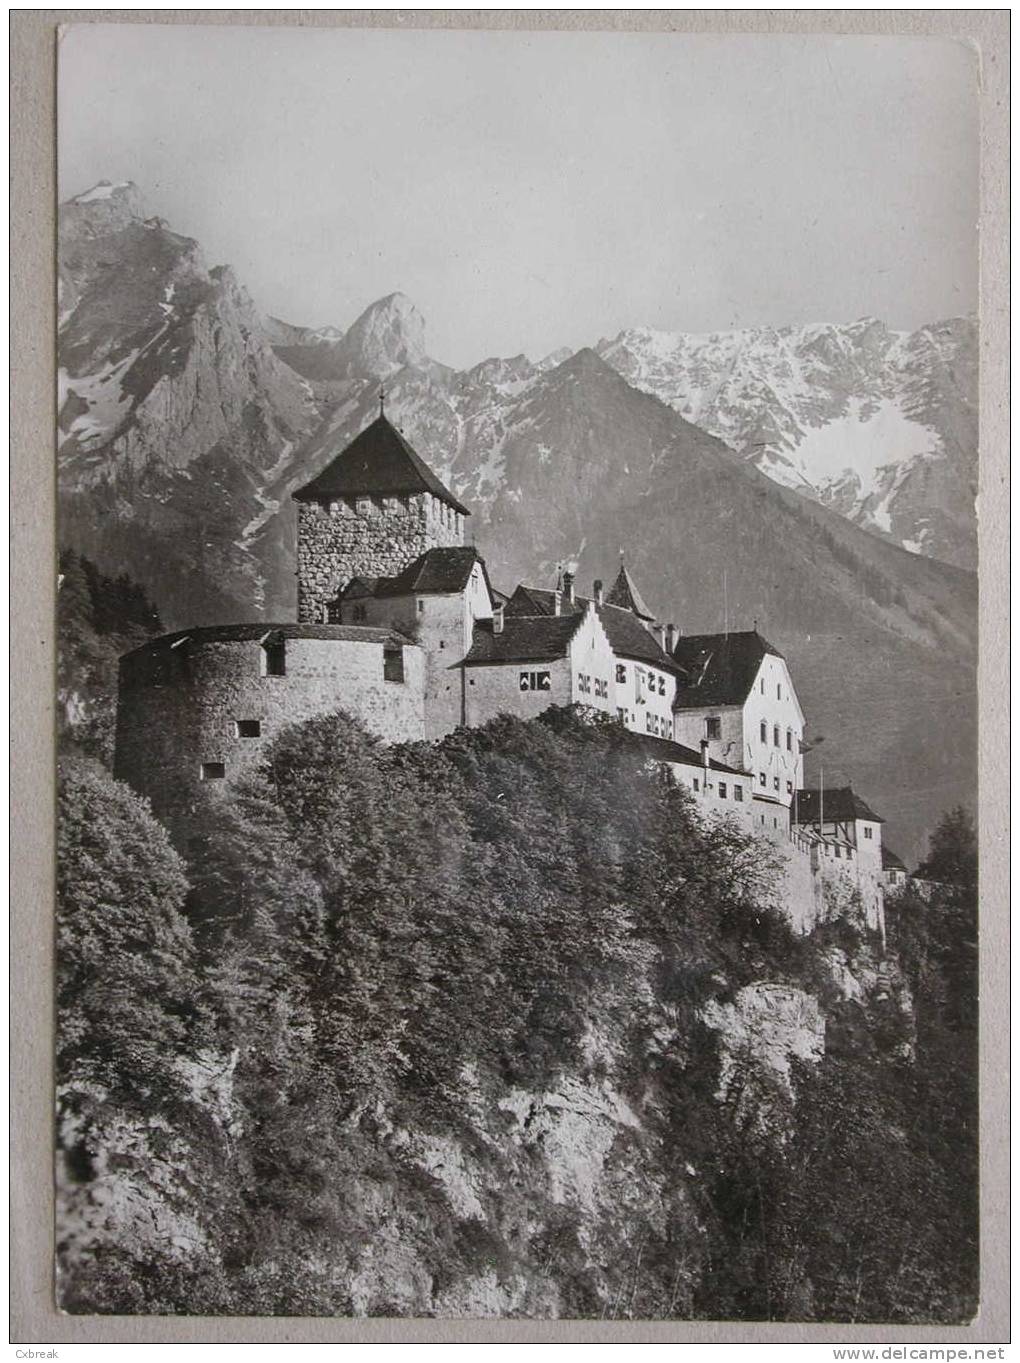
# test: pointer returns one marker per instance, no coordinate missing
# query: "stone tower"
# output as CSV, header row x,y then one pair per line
x,y
372,510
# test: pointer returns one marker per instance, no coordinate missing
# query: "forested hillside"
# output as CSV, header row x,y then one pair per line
x,y
497,1027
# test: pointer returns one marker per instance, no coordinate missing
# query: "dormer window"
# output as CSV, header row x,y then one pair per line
x,y
363,506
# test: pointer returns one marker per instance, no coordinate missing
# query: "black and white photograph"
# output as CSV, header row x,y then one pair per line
x,y
517,608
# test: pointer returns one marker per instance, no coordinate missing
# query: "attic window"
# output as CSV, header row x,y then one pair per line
x,y
247,728
662,686
779,692
775,782
789,740
867,832
761,778
775,735
763,686
274,658
621,672
393,664
363,506
764,729
213,771
713,727
421,606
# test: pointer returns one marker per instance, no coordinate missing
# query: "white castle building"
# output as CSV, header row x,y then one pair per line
x,y
399,624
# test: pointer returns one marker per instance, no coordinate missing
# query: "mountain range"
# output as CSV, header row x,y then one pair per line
x,y
186,419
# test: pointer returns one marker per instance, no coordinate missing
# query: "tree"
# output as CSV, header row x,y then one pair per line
x,y
126,979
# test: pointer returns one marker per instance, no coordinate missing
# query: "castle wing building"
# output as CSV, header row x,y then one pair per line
x,y
735,691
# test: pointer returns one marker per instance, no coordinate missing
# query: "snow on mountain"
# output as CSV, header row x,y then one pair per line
x,y
879,425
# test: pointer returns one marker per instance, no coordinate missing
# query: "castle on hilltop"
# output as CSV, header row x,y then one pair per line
x,y
399,624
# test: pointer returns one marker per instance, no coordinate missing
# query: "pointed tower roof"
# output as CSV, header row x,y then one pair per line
x,y
624,593
379,462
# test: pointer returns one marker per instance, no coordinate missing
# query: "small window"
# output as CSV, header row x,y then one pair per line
x,y
722,790
621,715
713,727
584,683
393,664
764,731
867,832
363,506
775,735
775,782
213,771
837,854
662,686
763,686
738,794
274,659
697,784
621,672
360,613
761,781
789,740
535,681
247,728
789,787
421,606
779,692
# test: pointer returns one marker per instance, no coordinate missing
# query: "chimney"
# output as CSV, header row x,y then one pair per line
x,y
597,591
556,601
497,619
704,759
670,639
660,635
568,589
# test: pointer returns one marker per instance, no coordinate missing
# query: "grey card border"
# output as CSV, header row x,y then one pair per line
x,y
34,1318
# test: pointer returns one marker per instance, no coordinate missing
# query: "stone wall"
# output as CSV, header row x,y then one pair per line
x,y
181,708
365,536
492,691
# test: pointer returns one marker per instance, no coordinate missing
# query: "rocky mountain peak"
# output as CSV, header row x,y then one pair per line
x,y
389,335
104,208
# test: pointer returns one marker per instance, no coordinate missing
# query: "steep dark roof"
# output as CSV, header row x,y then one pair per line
x,y
627,636
379,462
625,594
535,638
838,805
665,750
890,861
271,633
719,668
435,571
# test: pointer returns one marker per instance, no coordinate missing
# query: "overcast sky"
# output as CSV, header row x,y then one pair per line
x,y
530,191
